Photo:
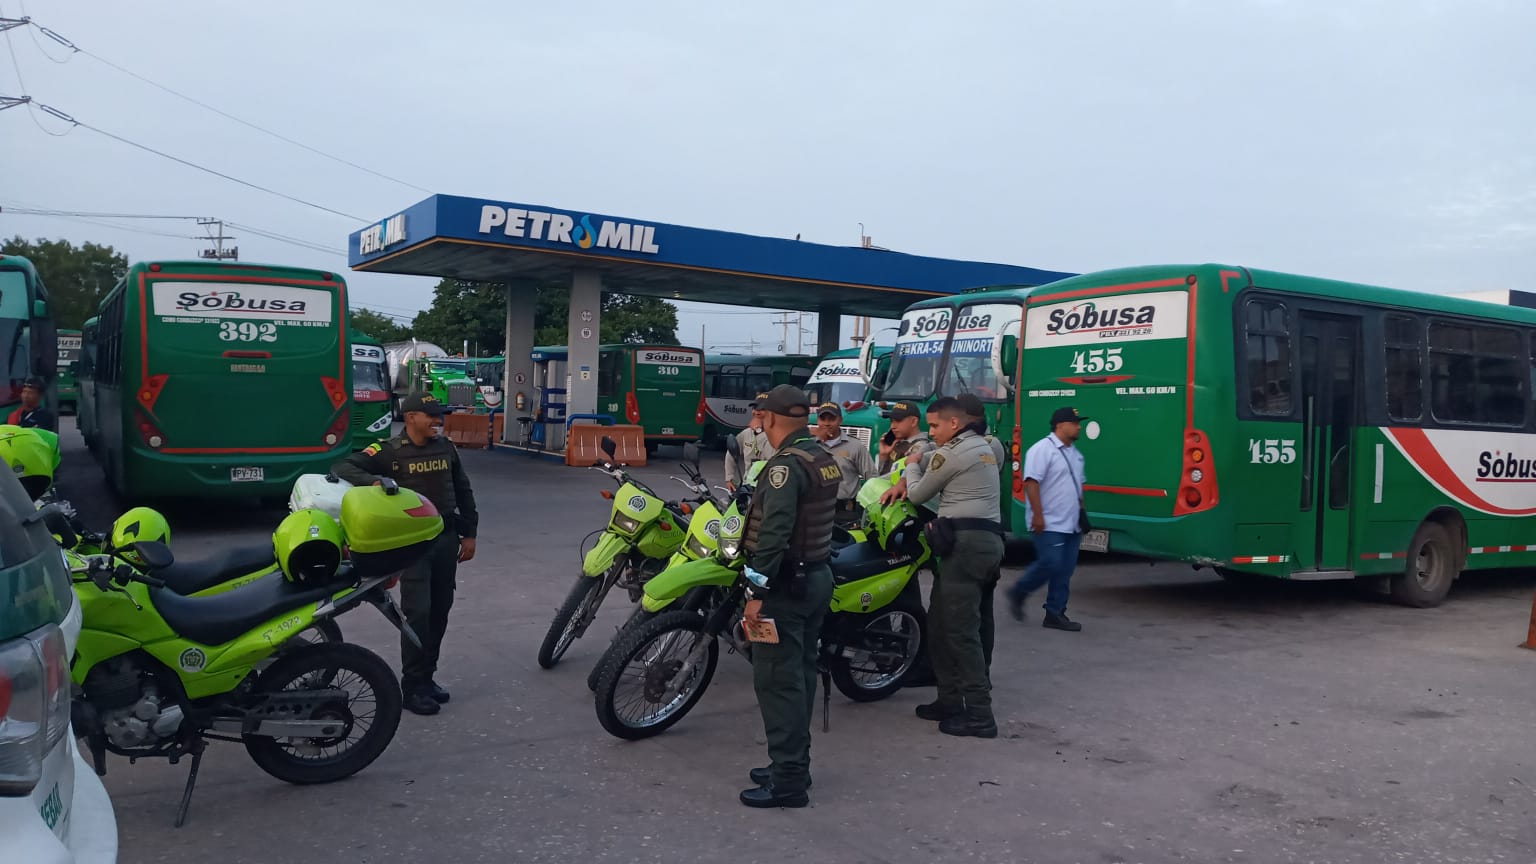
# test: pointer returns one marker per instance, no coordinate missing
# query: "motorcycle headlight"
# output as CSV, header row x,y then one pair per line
x,y
730,547
625,523
696,547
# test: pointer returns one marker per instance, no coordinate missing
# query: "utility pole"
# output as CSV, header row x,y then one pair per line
x,y
784,343
217,253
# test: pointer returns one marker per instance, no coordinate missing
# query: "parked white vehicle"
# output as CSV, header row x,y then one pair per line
x,y
53,808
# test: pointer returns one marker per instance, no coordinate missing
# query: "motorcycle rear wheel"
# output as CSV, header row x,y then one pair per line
x,y
876,674
374,702
563,632
634,672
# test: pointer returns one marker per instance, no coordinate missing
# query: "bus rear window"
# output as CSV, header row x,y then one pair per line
x,y
1268,352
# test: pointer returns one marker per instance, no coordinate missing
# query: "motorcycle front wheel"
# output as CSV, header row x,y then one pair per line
x,y
638,695
370,715
698,601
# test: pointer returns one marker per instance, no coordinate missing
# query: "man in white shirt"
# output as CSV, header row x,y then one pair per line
x,y
1053,484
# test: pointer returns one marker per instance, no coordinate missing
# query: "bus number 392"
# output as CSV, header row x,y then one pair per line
x,y
247,331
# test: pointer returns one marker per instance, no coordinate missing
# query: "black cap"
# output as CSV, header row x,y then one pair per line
x,y
904,411
829,409
425,403
785,400
755,403
1066,415
971,404
34,383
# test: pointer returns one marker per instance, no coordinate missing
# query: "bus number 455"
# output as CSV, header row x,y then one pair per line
x,y
1272,450
1097,360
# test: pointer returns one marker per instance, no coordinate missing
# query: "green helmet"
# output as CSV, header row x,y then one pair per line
x,y
30,457
136,525
308,547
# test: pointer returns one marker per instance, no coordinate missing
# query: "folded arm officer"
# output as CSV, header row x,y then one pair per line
x,y
754,446
852,458
788,541
426,463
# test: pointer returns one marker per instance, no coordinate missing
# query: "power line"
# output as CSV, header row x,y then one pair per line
x,y
60,39
90,216
16,64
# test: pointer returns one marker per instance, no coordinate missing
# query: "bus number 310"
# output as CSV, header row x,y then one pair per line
x,y
247,331
1271,450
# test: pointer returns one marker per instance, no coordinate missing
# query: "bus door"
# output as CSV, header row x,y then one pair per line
x,y
1330,411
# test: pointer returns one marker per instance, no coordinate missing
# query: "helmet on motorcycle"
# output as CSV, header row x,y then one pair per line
x,y
308,547
30,457
136,525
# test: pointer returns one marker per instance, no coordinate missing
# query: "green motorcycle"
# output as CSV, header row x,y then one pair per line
x,y
644,531
653,675
158,674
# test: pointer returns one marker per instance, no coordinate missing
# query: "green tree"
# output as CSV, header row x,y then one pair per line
x,y
77,277
380,327
477,312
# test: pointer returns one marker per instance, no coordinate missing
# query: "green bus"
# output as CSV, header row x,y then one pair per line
x,y
946,346
28,340
67,387
213,379
658,387
838,378
85,385
372,419
732,381
1285,426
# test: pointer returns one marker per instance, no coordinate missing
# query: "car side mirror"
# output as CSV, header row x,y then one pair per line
x,y
155,555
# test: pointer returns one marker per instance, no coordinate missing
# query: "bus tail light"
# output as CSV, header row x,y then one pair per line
x,y
1197,481
148,431
1018,472
338,431
150,392
698,416
335,390
632,408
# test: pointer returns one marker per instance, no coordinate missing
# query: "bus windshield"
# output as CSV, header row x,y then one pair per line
x,y
968,365
368,375
919,351
838,381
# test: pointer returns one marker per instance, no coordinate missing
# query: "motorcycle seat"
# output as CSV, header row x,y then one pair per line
x,y
861,561
190,577
221,618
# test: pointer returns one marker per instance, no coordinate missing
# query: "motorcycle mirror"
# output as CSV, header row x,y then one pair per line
x,y
58,525
733,447
610,447
691,453
155,555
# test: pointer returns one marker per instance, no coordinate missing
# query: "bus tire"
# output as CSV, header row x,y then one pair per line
x,y
1431,568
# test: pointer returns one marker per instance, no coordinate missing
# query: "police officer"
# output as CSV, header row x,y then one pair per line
x,y
32,414
904,438
852,458
426,463
964,475
754,446
976,413
788,541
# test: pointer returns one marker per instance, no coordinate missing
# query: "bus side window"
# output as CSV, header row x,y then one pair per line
x,y
1268,354
608,373
1405,368
1475,374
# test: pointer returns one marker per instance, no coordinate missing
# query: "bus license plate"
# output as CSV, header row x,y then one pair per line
x,y
247,474
1096,540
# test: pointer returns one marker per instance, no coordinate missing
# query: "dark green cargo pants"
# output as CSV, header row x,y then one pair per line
x,y
426,595
784,676
960,625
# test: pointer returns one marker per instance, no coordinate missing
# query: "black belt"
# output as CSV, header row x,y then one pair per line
x,y
987,525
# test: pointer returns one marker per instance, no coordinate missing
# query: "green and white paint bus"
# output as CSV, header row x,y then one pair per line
x,y
837,378
213,379
658,387
68,387
732,381
371,411
1286,426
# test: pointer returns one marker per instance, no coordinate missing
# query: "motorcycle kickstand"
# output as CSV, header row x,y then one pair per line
x,y
826,700
198,745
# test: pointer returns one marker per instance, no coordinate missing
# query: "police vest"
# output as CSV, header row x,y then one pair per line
x,y
811,541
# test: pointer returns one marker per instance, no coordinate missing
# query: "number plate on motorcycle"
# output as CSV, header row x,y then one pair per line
x,y
766,631
247,474
1096,540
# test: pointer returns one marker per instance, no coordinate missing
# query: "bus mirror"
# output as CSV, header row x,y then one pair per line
x,y
1010,356
39,308
610,447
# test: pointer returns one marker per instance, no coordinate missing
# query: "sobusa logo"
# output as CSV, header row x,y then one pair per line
x,y
835,370
971,321
233,301
923,325
1116,320
1505,466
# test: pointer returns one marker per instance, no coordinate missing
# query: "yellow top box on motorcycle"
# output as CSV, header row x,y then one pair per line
x,y
387,532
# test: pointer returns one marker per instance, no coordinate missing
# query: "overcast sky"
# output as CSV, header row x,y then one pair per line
x,y
1389,142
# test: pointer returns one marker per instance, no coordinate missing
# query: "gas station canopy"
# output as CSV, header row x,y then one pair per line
x,y
497,241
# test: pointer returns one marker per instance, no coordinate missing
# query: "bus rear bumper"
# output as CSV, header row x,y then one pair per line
x,y
213,476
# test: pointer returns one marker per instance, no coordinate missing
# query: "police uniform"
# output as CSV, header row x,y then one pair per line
x,y
965,477
788,541
915,446
754,447
855,462
434,471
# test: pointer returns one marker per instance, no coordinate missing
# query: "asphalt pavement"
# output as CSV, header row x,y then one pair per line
x,y
1191,720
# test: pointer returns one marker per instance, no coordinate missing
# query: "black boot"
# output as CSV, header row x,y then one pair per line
x,y
1015,603
1059,621
973,722
420,702
766,796
937,710
436,691
764,776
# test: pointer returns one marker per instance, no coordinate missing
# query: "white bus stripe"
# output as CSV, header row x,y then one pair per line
x,y
1381,450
